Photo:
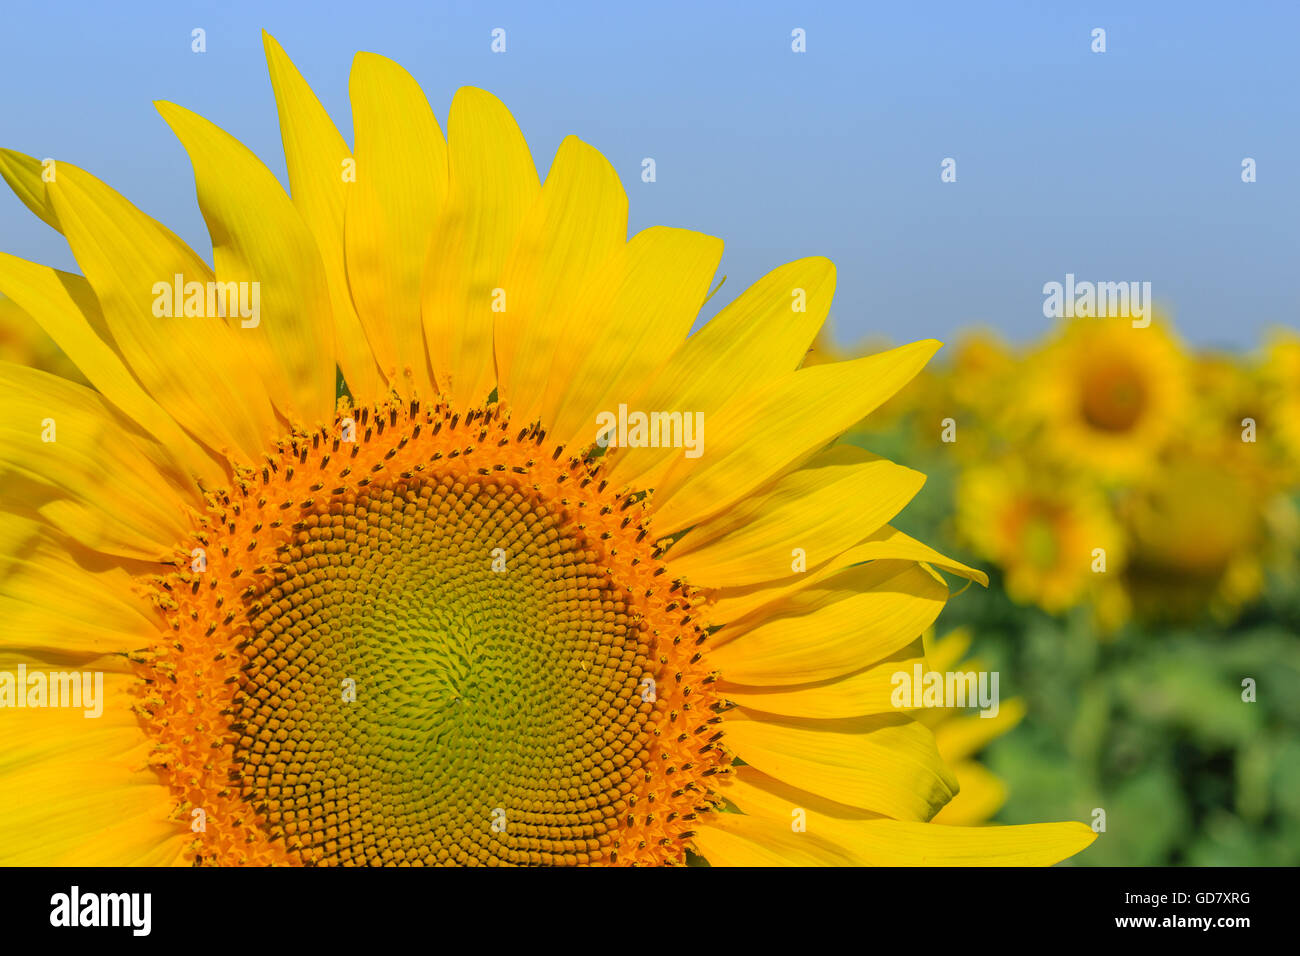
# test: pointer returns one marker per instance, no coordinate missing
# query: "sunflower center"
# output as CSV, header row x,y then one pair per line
x,y
443,661
449,691
1114,397
1039,541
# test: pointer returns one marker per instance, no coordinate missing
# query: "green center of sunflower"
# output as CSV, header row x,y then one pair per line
x,y
463,664
1039,541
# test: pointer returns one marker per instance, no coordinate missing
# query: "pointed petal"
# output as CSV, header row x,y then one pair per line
x,y
887,544
755,438
492,183
195,368
66,308
392,210
855,619
761,336
630,324
96,480
841,496
258,238
317,157
885,764
578,222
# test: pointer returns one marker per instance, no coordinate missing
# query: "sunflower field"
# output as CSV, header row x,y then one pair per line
x,y
1134,501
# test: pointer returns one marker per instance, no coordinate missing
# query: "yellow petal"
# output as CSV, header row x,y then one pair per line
x,y
932,717
862,693
903,843
53,601
758,795
52,734
103,485
887,544
886,842
195,368
840,497
730,839
577,223
259,238
392,209
854,620
66,308
756,437
79,792
632,321
318,160
492,183
945,653
759,337
886,764
24,176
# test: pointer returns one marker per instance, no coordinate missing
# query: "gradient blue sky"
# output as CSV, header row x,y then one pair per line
x,y
1116,166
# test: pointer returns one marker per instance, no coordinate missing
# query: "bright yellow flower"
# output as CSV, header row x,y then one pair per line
x,y
434,625
1198,532
1054,538
1106,396
1235,421
982,370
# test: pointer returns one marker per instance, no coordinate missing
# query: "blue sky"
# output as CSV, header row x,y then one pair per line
x,y
1123,165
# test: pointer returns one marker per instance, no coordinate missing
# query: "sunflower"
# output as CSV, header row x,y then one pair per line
x,y
1237,420
1198,537
982,365
1054,538
1105,396
436,621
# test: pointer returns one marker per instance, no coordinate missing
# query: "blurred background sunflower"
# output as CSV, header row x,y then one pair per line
x,y
1180,465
